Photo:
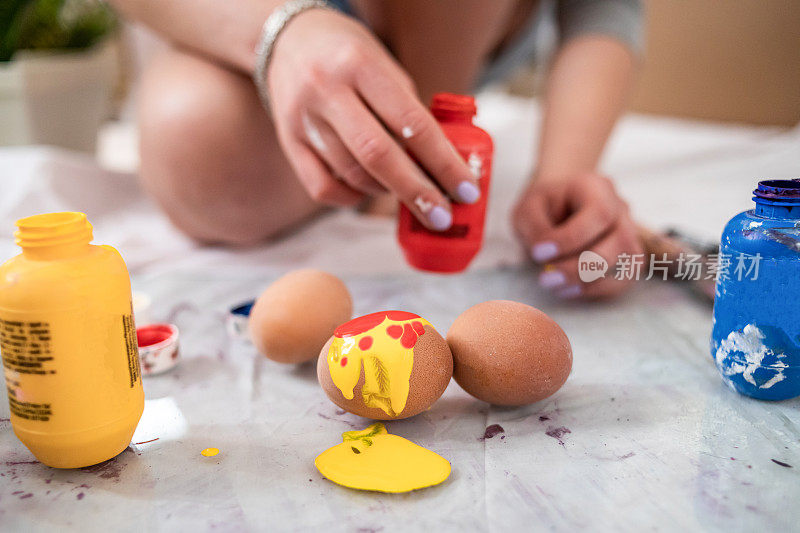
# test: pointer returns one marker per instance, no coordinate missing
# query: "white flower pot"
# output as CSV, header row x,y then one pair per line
x,y
57,97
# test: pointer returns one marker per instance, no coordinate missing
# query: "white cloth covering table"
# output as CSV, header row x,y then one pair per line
x,y
643,436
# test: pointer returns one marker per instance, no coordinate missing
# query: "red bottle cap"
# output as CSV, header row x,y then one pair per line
x,y
448,106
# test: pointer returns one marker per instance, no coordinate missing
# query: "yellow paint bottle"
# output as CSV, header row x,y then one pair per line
x,y
68,343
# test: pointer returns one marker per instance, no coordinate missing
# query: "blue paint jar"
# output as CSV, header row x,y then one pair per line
x,y
755,341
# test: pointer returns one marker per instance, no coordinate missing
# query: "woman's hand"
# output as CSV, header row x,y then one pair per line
x,y
557,220
346,113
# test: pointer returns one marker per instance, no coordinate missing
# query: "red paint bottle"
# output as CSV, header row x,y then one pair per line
x,y
452,250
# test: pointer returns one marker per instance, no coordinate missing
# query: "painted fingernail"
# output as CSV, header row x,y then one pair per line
x,y
440,218
467,192
552,279
544,251
568,293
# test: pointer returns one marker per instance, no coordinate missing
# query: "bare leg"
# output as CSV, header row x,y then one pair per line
x,y
210,156
444,44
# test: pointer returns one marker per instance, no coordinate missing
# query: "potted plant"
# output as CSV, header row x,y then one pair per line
x,y
57,71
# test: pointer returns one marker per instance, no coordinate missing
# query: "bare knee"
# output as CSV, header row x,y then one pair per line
x,y
199,129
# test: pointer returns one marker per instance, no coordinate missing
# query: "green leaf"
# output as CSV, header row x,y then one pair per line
x,y
52,25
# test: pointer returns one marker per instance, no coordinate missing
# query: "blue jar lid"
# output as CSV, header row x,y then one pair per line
x,y
784,192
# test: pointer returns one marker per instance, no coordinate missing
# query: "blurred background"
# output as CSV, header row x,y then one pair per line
x,y
68,69
724,61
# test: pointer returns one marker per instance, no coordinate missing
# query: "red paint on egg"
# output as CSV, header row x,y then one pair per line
x,y
401,315
344,361
395,331
409,337
365,343
418,327
363,323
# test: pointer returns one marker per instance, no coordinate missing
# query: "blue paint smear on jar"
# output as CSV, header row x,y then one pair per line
x,y
755,340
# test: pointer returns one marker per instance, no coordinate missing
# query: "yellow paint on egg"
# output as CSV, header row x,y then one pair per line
x,y
372,459
210,452
383,344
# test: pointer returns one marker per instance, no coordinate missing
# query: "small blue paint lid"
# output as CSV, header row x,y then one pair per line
x,y
243,309
783,192
238,318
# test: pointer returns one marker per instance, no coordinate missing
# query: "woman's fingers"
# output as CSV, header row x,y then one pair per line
x,y
341,163
530,217
318,181
595,209
378,153
563,277
404,115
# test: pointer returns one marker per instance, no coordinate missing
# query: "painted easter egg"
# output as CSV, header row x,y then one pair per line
x,y
385,365
293,318
509,353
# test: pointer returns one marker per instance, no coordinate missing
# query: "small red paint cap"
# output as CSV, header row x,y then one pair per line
x,y
158,348
154,334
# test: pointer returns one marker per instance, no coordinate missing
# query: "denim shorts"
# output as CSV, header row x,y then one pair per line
x,y
564,19
521,50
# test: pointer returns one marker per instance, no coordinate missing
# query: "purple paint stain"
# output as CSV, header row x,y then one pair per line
x,y
106,470
80,496
17,492
628,455
557,433
28,495
544,418
351,424
785,465
492,431
12,463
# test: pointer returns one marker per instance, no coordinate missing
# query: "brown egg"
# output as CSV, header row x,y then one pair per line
x,y
385,365
294,317
508,353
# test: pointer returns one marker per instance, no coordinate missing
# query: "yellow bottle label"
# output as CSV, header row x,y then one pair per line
x,y
26,350
131,347
65,367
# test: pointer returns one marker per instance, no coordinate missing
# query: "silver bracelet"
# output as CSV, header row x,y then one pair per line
x,y
273,26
